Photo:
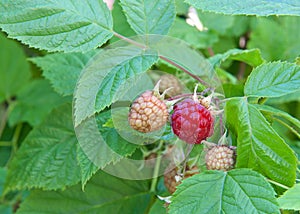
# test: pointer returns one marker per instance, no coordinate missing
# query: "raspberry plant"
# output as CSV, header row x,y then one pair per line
x,y
71,70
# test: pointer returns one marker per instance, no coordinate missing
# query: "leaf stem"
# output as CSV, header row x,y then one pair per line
x,y
3,120
155,173
15,142
129,40
288,126
277,184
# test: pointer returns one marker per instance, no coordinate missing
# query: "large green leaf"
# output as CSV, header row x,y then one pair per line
x,y
104,78
236,192
149,16
57,25
6,209
251,57
258,145
63,69
279,113
273,79
249,7
116,149
277,38
103,194
47,157
14,69
34,102
290,200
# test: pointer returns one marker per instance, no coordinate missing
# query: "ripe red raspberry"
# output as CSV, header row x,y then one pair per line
x,y
170,82
192,122
148,113
220,158
169,177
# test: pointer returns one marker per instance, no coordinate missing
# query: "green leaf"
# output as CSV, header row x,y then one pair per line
x,y
113,85
251,57
47,157
273,79
295,96
277,112
117,148
57,25
258,145
237,191
149,16
103,194
216,22
249,7
104,79
282,43
158,207
194,37
6,209
290,200
14,69
63,69
120,23
2,179
34,102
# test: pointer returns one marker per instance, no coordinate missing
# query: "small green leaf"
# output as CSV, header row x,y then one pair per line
x,y
237,191
116,149
104,77
248,7
258,145
149,16
251,57
113,85
57,25
194,37
47,157
14,69
273,79
282,44
34,102
158,207
103,194
290,200
63,69
277,112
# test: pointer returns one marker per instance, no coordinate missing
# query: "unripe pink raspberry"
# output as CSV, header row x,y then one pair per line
x,y
220,158
148,113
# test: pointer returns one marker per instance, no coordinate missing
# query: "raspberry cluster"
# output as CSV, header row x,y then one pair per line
x,y
220,158
191,121
148,113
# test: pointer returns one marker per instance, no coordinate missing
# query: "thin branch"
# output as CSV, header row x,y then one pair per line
x,y
190,94
130,40
184,70
210,51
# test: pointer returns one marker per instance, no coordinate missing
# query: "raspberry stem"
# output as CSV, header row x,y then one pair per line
x,y
190,94
156,171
